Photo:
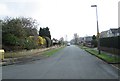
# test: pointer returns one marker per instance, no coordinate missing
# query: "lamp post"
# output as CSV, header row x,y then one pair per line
x,y
97,28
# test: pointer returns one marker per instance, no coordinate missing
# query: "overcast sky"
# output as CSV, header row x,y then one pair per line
x,y
65,17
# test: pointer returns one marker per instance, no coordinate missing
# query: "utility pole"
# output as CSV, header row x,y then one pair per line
x,y
98,34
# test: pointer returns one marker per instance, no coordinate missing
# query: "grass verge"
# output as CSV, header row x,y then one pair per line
x,y
23,53
108,58
51,52
105,57
83,47
33,52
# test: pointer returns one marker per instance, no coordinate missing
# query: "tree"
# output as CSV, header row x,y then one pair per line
x,y
16,30
76,38
55,41
30,26
10,26
44,32
48,42
24,26
93,37
61,41
94,41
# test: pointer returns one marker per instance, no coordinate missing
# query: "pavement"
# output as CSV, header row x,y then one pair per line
x,y
68,63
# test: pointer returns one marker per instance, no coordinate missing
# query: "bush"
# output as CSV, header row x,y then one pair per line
x,y
10,39
16,30
48,41
40,40
30,44
94,43
44,41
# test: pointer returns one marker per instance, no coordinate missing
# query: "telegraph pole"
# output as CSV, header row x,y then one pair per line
x,y
98,34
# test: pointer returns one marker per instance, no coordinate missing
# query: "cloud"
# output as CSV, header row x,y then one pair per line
x,y
65,17
18,1
3,9
16,9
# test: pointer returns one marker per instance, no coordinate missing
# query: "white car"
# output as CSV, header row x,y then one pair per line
x,y
68,44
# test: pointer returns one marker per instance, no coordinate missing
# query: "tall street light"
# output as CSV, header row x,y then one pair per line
x,y
97,28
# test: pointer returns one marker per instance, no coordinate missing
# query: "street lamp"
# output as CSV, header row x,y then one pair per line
x,y
97,28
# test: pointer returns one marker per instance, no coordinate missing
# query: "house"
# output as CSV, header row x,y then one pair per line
x,y
119,31
113,32
86,39
81,39
103,34
55,41
110,33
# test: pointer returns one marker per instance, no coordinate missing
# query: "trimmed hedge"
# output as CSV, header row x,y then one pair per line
x,y
111,42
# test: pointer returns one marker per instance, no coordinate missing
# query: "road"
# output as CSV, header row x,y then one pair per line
x,y
68,63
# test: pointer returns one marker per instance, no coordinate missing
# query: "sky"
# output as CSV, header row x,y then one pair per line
x,y
65,17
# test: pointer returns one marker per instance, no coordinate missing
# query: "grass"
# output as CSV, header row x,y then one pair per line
x,y
21,53
33,52
51,52
103,56
83,47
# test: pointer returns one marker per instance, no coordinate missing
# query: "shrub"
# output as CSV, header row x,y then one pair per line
x,y
40,40
30,44
10,39
94,43
48,41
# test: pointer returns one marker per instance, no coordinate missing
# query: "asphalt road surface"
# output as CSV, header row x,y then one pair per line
x,y
68,63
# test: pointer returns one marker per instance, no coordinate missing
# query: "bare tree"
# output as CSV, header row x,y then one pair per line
x,y
76,38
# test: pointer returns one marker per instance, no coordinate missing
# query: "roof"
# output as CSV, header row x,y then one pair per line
x,y
119,30
114,30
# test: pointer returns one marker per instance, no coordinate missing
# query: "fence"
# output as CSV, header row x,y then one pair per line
x,y
110,44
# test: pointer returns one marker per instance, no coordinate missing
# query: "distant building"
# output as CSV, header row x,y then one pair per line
x,y
55,40
86,39
119,31
110,33
104,34
81,39
113,33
